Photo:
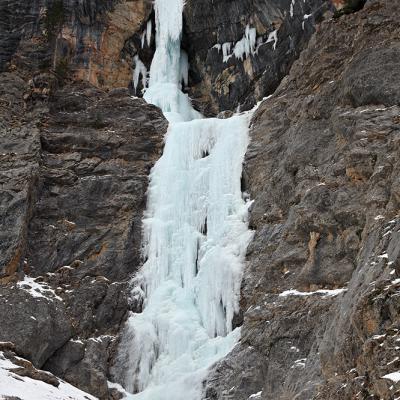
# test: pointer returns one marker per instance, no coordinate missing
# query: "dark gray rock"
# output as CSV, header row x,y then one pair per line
x,y
97,152
363,82
38,326
216,85
322,169
76,165
19,150
84,364
66,357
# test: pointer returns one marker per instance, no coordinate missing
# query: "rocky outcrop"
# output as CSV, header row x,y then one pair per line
x,y
38,326
320,293
96,153
75,153
74,176
19,379
240,50
19,150
319,301
90,40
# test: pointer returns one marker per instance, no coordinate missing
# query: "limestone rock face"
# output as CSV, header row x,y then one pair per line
x,y
36,334
74,170
96,153
227,72
319,301
75,153
320,293
93,41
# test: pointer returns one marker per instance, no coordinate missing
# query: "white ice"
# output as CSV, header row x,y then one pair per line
x,y
146,35
247,45
195,235
292,8
195,231
244,47
139,71
273,37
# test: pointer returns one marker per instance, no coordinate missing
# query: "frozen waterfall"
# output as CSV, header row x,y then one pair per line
x,y
195,236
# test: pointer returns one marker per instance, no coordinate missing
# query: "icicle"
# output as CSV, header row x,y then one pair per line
x,y
273,37
247,45
226,50
146,35
292,3
148,32
244,47
140,70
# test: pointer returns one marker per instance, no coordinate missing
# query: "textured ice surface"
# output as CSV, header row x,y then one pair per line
x,y
195,235
247,45
139,71
169,69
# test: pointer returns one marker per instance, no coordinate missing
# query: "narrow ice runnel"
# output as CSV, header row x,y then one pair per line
x,y
195,237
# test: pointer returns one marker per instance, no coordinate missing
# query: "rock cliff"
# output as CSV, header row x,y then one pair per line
x,y
319,306
240,50
74,170
320,294
89,40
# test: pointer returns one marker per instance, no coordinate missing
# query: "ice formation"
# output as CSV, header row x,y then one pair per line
x,y
246,46
139,71
292,3
146,35
273,37
195,236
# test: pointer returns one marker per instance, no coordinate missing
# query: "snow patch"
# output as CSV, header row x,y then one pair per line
x,y
13,385
37,289
394,376
325,293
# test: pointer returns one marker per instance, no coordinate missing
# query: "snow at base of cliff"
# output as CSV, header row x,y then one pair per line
x,y
26,388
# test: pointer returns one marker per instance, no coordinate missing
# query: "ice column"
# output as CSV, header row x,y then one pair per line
x,y
195,236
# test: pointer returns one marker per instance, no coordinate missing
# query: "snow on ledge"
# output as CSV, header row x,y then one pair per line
x,y
255,396
37,289
324,292
394,376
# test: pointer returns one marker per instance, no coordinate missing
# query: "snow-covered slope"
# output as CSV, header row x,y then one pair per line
x,y
26,388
